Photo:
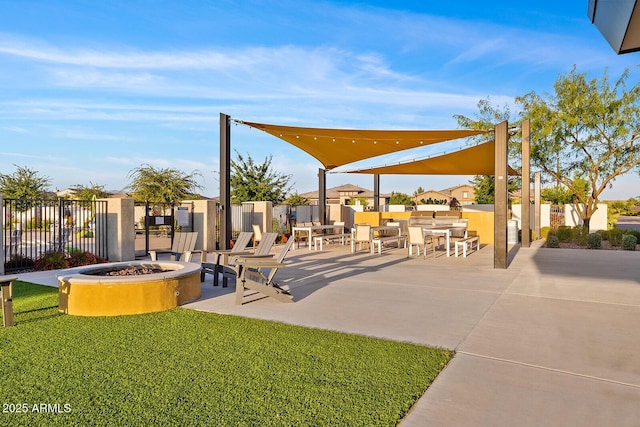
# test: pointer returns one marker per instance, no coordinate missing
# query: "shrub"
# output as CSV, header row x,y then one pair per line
x,y
580,233
615,236
84,233
51,261
18,261
565,233
544,232
594,241
635,233
553,242
629,242
38,223
79,258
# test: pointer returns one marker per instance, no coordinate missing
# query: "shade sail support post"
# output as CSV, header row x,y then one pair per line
x,y
526,185
226,233
501,178
376,192
536,204
322,196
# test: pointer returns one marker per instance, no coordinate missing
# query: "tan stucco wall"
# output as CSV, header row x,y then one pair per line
x,y
121,232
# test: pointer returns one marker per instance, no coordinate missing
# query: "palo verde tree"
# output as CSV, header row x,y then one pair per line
x,y
588,129
24,183
90,192
401,199
484,188
296,199
158,185
487,117
251,181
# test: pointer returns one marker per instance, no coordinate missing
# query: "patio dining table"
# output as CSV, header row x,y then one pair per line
x,y
443,231
309,229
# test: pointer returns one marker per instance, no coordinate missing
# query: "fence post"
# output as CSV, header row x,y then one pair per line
x,y
6,286
4,258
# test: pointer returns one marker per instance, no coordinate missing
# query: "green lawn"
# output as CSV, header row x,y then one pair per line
x,y
183,367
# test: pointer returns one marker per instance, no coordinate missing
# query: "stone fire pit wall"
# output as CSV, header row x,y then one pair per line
x,y
83,294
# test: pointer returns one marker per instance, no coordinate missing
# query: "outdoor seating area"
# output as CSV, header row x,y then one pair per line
x,y
486,317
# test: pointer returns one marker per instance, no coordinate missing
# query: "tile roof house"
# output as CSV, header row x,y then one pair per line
x,y
344,194
463,193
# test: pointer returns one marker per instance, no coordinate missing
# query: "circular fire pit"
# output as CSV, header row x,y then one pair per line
x,y
132,287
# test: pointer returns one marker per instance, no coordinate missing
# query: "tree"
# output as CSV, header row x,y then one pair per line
x,y
24,183
89,193
362,201
418,191
162,185
486,118
251,181
296,200
556,195
484,188
587,130
400,199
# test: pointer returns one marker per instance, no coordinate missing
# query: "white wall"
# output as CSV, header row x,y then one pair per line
x,y
598,219
432,207
476,208
545,215
571,216
395,208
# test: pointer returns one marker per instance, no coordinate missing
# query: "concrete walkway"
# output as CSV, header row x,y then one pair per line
x,y
553,340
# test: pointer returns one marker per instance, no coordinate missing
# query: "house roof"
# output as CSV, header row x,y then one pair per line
x,y
446,195
334,192
450,189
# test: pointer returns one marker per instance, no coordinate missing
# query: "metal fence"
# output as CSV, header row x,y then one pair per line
x,y
160,220
35,227
242,218
556,216
306,213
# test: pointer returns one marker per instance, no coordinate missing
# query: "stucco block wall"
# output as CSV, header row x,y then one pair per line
x,y
121,232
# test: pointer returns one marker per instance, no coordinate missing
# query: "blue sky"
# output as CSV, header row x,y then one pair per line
x,y
90,90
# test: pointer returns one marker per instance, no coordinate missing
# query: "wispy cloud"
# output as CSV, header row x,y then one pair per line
x,y
130,59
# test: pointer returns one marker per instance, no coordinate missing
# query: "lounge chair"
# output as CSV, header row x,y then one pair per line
x,y
229,267
182,247
257,274
257,234
222,257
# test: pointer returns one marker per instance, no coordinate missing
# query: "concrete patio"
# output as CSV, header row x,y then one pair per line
x,y
552,340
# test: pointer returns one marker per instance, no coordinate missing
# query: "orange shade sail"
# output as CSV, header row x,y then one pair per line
x,y
337,147
476,160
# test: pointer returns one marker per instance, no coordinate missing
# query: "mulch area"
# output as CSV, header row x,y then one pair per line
x,y
605,246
